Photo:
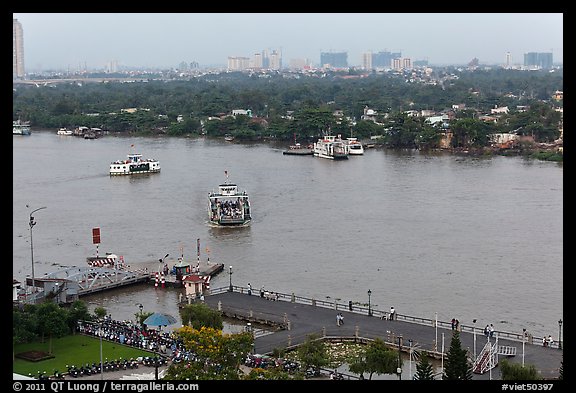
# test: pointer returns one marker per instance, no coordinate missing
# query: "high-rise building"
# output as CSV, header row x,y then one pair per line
x,y
275,62
508,63
238,63
17,50
334,59
538,60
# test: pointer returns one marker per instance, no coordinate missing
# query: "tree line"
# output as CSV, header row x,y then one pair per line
x,y
285,108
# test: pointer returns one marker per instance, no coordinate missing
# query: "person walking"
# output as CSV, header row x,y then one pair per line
x,y
337,319
392,313
249,289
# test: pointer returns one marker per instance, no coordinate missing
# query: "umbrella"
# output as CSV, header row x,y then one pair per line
x,y
159,319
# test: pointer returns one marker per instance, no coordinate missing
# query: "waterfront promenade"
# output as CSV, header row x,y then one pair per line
x,y
295,318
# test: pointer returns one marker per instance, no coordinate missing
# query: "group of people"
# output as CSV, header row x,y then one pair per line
x,y
489,330
391,315
339,319
456,324
547,341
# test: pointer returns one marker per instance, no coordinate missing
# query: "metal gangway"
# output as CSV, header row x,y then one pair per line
x,y
488,357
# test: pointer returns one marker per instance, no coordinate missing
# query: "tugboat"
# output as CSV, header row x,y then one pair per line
x,y
134,165
229,207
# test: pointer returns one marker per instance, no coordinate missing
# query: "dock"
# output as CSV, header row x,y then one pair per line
x,y
70,283
293,318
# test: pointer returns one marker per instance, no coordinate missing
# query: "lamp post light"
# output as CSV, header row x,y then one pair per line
x,y
410,356
560,334
474,330
101,333
399,369
161,261
230,288
523,342
32,223
369,307
436,332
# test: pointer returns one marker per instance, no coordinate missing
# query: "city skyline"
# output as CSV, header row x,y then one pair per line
x,y
57,41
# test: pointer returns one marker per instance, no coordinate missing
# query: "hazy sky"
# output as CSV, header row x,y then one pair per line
x,y
67,40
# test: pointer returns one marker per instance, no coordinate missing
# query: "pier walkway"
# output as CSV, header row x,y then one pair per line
x,y
295,318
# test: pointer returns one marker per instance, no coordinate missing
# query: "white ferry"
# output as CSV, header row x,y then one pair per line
x,y
134,165
64,131
331,147
355,146
228,206
20,128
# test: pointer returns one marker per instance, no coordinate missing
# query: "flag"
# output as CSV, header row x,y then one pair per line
x,y
132,145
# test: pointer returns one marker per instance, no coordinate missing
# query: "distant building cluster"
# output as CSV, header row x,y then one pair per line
x,y
538,60
262,60
271,59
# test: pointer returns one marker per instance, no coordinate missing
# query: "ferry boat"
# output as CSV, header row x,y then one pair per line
x,y
64,131
228,206
20,128
331,147
355,146
134,165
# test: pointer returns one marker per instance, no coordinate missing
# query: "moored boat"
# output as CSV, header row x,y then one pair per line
x,y
20,127
134,165
355,147
299,150
331,147
228,206
64,131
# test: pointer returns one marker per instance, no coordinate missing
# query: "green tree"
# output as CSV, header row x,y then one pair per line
x,y
424,369
51,321
78,311
100,312
218,355
199,314
457,365
380,359
516,372
313,353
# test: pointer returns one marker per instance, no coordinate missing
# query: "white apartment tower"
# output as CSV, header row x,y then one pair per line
x,y
367,60
275,60
17,50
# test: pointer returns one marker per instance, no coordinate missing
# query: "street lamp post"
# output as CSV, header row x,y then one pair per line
x,y
399,369
560,334
436,332
523,342
474,329
161,260
369,307
101,333
410,356
230,288
32,223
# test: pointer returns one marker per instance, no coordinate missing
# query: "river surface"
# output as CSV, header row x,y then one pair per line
x,y
463,237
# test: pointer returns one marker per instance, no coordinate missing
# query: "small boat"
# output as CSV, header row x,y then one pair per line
x,y
134,165
355,147
331,147
228,137
20,128
228,206
64,131
299,150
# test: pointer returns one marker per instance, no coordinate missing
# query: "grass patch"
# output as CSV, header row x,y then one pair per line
x,y
74,349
